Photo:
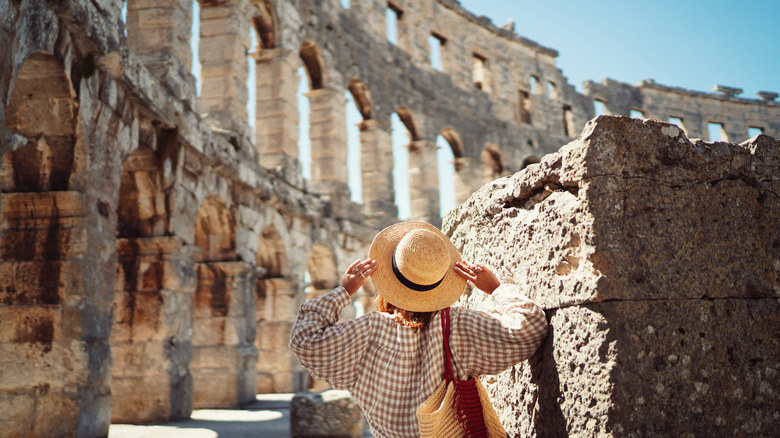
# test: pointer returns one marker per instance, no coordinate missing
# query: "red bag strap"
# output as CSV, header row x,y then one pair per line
x,y
445,330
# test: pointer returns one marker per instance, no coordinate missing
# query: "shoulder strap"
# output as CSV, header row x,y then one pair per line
x,y
445,330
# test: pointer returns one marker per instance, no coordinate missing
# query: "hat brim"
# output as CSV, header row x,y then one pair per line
x,y
392,290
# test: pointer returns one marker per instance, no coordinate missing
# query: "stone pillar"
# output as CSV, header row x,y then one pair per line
x,y
468,178
224,356
151,336
376,159
55,316
158,33
327,119
424,182
225,39
277,112
328,135
277,306
657,261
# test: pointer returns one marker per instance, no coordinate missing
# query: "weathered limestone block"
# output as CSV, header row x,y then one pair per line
x,y
658,263
224,356
151,334
332,413
54,318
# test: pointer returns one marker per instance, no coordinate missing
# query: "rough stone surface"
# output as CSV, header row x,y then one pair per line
x,y
332,413
693,111
657,260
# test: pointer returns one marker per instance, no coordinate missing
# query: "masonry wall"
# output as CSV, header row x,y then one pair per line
x,y
657,261
694,110
142,253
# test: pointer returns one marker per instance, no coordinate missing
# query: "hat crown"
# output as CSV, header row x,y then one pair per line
x,y
422,257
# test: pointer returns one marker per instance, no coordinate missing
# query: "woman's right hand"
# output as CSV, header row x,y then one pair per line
x,y
356,274
482,277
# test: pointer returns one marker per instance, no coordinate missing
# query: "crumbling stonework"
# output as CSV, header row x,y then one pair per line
x,y
657,260
692,111
329,413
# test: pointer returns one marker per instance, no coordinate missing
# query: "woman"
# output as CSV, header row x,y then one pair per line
x,y
392,360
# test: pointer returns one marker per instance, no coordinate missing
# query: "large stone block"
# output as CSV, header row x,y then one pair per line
x,y
134,359
332,413
634,210
141,399
39,411
215,388
65,362
658,263
216,356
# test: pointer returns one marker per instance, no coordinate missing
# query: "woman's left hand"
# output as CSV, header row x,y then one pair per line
x,y
356,274
482,277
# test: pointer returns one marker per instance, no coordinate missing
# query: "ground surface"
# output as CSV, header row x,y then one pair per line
x,y
267,417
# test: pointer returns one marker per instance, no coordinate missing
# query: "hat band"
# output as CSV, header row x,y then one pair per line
x,y
410,284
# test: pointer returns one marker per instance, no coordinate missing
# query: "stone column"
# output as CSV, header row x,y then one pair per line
x,y
277,112
376,159
468,178
223,352
158,33
277,306
225,39
424,181
55,316
328,134
151,336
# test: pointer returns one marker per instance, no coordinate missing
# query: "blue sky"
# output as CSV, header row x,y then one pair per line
x,y
692,44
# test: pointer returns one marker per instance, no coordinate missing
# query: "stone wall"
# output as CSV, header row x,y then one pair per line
x,y
657,259
693,111
143,250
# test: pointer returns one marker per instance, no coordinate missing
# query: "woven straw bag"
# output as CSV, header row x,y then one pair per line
x,y
458,408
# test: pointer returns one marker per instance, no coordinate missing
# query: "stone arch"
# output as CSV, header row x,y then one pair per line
x,y
492,161
529,160
143,209
314,64
322,268
362,95
55,313
215,232
271,254
265,23
42,108
409,120
224,358
446,167
277,297
453,138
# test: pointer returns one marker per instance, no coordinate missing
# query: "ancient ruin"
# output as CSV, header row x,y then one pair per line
x,y
657,260
155,243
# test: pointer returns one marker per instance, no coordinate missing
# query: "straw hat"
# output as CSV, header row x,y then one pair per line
x,y
416,267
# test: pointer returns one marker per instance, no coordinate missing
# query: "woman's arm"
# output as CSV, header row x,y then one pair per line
x,y
484,344
328,351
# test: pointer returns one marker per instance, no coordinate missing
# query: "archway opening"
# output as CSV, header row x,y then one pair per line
x,y
142,210
401,138
492,163
42,107
445,159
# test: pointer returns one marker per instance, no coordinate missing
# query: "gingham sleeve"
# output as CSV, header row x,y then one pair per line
x,y
484,344
328,351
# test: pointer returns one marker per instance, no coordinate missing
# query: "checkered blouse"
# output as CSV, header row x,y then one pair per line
x,y
391,369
